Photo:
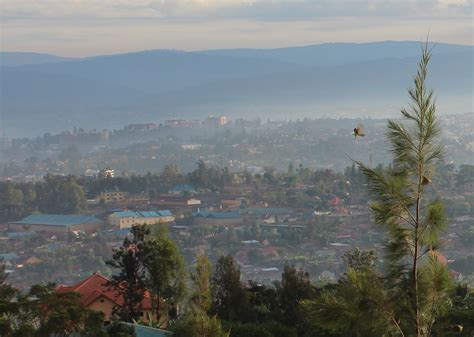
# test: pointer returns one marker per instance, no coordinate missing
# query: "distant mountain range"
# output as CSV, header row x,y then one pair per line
x,y
43,93
9,59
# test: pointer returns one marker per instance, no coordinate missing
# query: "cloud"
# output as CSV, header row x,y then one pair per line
x,y
88,27
229,9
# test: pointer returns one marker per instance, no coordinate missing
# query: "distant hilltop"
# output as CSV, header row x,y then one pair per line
x,y
337,79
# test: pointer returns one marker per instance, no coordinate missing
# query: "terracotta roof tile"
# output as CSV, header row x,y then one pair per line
x,y
95,286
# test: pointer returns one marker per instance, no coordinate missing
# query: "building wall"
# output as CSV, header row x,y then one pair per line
x,y
111,197
106,306
131,221
103,305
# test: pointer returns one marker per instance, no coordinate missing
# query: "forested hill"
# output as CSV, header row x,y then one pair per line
x,y
329,79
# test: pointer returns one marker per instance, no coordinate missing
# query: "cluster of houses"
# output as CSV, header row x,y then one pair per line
x,y
96,294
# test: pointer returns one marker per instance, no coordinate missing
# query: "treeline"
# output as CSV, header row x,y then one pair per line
x,y
54,194
68,195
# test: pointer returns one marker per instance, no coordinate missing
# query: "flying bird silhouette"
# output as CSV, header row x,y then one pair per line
x,y
358,132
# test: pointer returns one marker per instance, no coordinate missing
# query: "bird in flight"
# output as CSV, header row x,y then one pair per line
x,y
358,132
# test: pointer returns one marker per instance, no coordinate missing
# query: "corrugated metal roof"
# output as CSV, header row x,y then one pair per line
x,y
57,219
243,211
144,214
146,331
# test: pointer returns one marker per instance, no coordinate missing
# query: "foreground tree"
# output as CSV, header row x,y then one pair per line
x,y
197,322
413,220
229,300
357,305
147,264
8,304
164,267
295,286
130,281
414,290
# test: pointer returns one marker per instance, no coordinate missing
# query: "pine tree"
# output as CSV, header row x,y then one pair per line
x,y
410,297
201,297
413,220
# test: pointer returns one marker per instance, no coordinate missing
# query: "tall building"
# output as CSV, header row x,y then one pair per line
x,y
217,121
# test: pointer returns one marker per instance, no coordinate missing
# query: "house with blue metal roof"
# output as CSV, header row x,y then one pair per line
x,y
127,219
56,223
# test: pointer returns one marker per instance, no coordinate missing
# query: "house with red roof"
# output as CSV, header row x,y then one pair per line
x,y
97,295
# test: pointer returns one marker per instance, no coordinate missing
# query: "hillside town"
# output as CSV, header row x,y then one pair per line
x,y
307,217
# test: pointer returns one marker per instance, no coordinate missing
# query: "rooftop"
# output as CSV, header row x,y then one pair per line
x,y
139,214
96,286
57,219
146,331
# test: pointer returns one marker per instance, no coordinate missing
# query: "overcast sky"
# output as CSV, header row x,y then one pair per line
x,y
91,27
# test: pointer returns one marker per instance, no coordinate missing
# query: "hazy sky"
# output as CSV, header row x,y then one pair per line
x,y
91,27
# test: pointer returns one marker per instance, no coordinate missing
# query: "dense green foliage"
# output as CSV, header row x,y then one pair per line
x,y
42,312
147,262
131,279
55,194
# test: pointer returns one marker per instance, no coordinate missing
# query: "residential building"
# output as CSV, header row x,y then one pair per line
x,y
127,219
216,121
178,203
111,196
107,173
97,295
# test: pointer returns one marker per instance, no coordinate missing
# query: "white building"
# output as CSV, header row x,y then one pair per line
x,y
127,219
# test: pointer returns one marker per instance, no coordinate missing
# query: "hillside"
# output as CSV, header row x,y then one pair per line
x,y
335,79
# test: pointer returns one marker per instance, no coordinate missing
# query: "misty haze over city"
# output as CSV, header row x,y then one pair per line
x,y
231,168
